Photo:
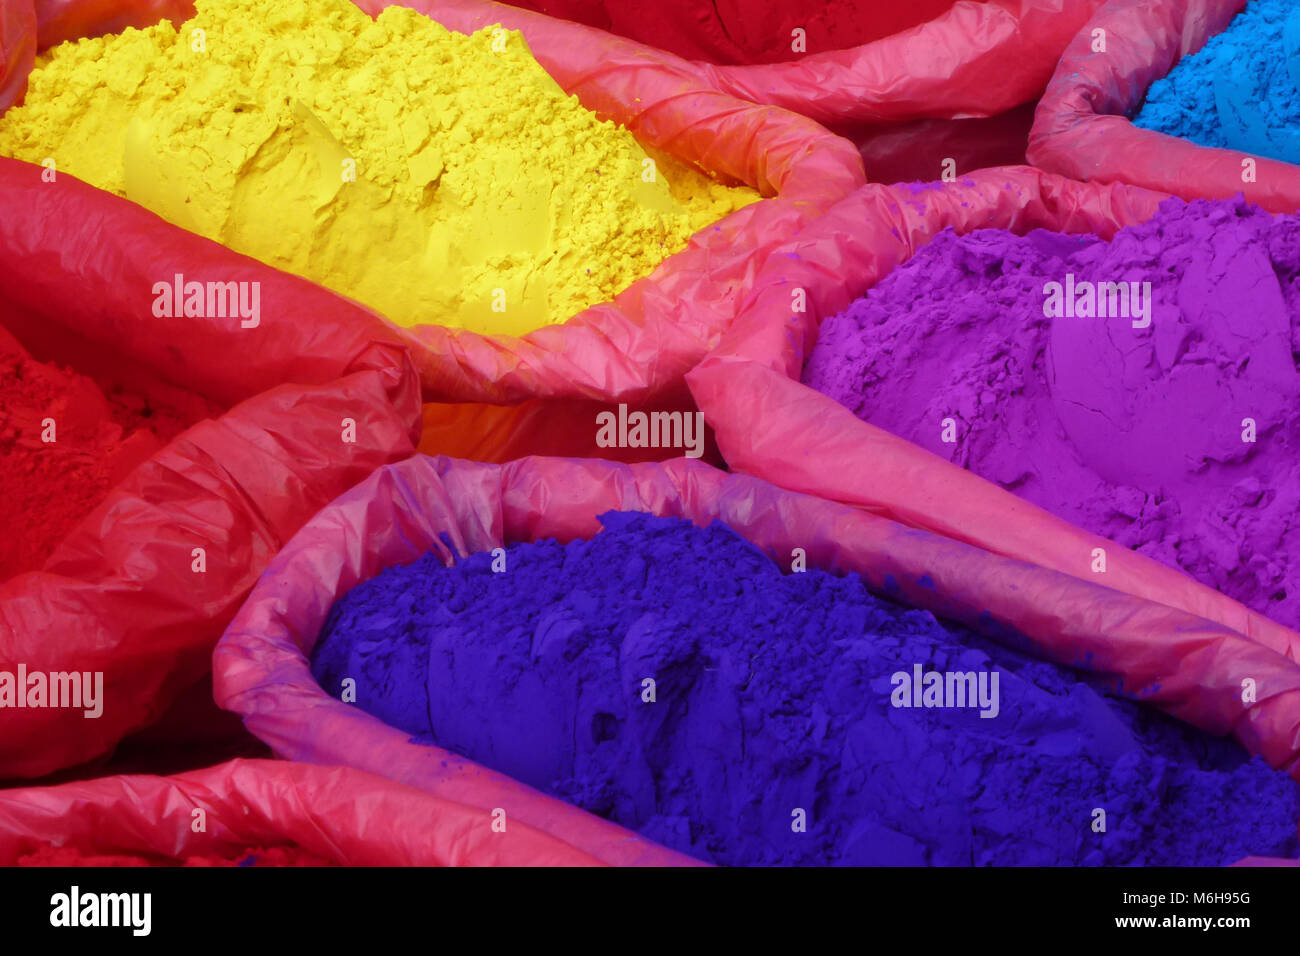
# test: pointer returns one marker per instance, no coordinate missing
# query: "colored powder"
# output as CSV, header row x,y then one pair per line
x,y
1135,434
47,487
745,31
1239,91
484,196
773,695
49,855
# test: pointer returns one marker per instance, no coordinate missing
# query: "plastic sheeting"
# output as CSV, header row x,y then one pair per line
x,y
978,59
973,59
1190,667
642,342
705,29
345,816
119,594
810,443
1081,128
83,262
927,149
17,49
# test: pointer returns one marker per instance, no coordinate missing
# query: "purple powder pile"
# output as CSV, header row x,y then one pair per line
x,y
774,700
1134,433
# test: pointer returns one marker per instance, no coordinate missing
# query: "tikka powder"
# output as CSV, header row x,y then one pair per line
x,y
47,487
437,177
773,705
1239,91
1178,439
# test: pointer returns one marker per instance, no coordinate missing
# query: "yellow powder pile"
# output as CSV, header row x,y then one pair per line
x,y
434,176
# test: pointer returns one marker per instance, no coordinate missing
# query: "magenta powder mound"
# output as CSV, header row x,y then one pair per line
x,y
779,728
1139,434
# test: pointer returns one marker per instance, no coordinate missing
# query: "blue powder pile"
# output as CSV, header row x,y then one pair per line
x,y
772,697
1238,91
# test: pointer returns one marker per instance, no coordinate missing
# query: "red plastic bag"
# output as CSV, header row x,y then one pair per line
x,y
102,297
706,29
1081,130
261,665
345,816
17,49
974,59
810,443
978,59
925,150
652,333
119,594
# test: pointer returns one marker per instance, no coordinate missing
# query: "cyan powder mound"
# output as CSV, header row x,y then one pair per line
x,y
1238,91
1139,434
774,706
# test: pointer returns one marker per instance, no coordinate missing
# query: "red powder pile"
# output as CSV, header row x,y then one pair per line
x,y
745,31
46,487
50,855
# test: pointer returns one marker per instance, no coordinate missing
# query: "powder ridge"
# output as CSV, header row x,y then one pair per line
x,y
474,171
1238,91
773,694
1133,434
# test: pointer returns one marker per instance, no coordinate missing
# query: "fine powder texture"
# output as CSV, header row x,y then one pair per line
x,y
1239,91
1135,434
50,855
47,487
772,694
745,31
436,177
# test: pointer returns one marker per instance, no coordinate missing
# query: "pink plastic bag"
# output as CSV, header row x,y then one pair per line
x,y
261,668
1081,130
978,59
940,82
972,59
344,816
928,149
707,29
